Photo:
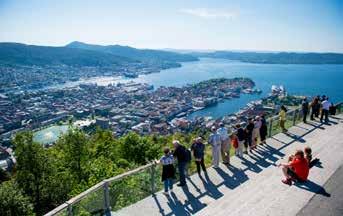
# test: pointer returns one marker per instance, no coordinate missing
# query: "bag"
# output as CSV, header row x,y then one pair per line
x,y
188,155
235,142
332,110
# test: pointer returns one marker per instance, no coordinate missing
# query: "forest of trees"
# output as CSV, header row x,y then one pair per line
x,y
44,178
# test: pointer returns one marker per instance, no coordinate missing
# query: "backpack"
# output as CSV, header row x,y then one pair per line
x,y
235,142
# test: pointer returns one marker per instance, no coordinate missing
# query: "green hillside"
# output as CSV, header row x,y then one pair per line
x,y
277,57
21,54
147,55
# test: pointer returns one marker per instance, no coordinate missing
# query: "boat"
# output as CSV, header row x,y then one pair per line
x,y
130,75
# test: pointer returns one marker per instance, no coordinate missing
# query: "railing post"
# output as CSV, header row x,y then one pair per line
x,y
107,205
294,116
270,127
152,175
70,209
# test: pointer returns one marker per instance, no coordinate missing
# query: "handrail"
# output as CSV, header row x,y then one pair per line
x,y
68,204
103,183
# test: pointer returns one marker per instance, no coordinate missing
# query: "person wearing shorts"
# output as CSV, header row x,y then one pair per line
x,y
297,169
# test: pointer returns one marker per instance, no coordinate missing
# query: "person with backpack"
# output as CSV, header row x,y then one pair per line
x,y
198,149
168,170
215,141
304,108
225,143
182,155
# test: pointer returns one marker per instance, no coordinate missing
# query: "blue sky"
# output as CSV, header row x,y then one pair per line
x,y
275,25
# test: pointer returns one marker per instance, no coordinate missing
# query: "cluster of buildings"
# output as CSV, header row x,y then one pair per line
x,y
128,107
120,108
21,78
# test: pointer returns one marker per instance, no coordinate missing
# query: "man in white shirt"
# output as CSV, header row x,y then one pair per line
x,y
225,143
326,104
215,141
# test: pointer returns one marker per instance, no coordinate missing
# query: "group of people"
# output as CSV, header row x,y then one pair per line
x,y
297,168
183,157
319,105
246,137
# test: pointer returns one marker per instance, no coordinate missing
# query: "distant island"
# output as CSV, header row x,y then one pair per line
x,y
275,57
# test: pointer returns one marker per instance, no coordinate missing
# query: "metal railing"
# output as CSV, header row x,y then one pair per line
x,y
111,194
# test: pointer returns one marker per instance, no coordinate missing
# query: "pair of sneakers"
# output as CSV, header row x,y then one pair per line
x,y
287,181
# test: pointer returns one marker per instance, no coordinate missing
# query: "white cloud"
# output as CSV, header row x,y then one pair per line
x,y
208,13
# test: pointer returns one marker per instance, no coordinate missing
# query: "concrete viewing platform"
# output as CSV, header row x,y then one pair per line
x,y
252,185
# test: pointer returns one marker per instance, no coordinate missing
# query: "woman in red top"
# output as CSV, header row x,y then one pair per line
x,y
297,169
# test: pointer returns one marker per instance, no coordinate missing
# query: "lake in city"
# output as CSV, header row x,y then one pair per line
x,y
296,78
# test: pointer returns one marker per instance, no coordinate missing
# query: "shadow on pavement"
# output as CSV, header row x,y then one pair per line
x,y
313,187
263,157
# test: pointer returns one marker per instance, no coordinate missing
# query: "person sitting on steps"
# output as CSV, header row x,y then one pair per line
x,y
308,156
295,170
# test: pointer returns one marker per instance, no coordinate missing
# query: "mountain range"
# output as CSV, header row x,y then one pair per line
x,y
144,55
275,57
82,54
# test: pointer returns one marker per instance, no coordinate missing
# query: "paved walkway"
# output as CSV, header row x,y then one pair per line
x,y
252,185
321,205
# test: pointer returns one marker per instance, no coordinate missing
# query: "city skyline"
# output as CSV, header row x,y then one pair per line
x,y
307,26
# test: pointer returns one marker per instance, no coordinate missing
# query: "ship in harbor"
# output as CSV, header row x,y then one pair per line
x,y
278,91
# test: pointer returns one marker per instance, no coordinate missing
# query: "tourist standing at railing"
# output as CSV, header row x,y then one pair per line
x,y
240,134
282,118
318,106
248,130
215,141
256,132
181,154
168,170
326,104
304,108
263,129
315,106
198,149
225,143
